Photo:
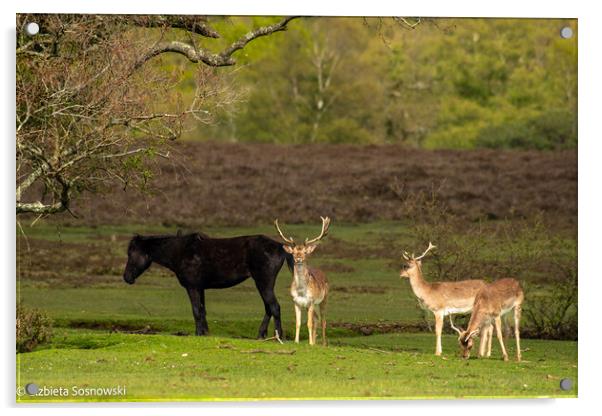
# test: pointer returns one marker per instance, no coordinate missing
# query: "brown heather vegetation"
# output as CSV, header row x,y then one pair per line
x,y
240,184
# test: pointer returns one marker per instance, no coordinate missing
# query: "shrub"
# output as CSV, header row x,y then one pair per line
x,y
556,128
345,130
513,134
453,137
549,130
460,246
33,328
552,314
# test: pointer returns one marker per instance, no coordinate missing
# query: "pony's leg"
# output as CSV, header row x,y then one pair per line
x,y
500,337
203,312
263,328
517,313
297,322
310,324
438,329
323,321
265,273
266,290
197,300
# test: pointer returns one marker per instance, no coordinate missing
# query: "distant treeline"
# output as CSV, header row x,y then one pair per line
x,y
447,83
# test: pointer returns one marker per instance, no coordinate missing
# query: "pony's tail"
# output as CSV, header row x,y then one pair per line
x,y
290,261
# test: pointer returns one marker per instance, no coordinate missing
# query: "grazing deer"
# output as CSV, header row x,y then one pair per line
x,y
310,286
441,298
493,301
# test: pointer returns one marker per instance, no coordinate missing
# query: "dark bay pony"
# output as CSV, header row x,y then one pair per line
x,y
200,263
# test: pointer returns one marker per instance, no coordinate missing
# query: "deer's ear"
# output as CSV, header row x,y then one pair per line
x,y
311,248
288,249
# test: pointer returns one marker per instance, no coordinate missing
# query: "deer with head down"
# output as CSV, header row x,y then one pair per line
x,y
490,304
441,298
309,288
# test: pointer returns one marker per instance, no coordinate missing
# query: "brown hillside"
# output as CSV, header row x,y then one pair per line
x,y
240,184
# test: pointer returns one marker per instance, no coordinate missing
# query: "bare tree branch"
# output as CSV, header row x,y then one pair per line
x,y
223,58
38,207
192,24
254,34
33,176
405,23
189,51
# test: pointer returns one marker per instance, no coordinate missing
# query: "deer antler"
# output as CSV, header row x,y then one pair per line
x,y
325,226
412,256
289,240
458,330
431,246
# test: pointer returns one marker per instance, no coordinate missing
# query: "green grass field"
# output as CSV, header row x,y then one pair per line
x,y
108,333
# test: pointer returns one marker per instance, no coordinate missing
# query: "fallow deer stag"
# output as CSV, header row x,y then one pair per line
x,y
441,298
310,286
490,304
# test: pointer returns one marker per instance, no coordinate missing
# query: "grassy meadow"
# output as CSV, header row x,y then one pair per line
x,y
108,333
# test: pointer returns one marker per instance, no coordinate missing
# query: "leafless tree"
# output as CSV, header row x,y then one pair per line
x,y
324,60
92,109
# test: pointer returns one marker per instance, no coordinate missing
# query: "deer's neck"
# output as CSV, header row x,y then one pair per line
x,y
301,275
477,320
420,286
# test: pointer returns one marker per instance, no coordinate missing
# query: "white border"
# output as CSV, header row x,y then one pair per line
x,y
509,8
590,206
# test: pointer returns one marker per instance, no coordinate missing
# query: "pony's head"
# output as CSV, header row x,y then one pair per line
x,y
138,260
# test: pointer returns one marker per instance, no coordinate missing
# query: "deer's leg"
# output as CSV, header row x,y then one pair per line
x,y
489,339
485,345
500,337
483,341
438,329
310,324
317,318
517,313
297,322
323,321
